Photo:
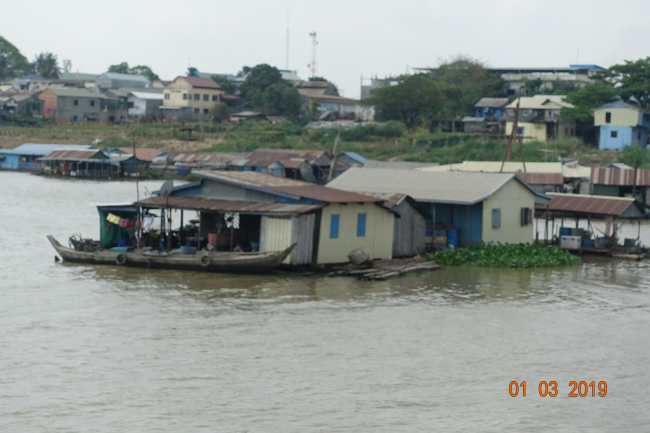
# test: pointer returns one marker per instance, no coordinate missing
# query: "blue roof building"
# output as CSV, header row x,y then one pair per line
x,y
25,156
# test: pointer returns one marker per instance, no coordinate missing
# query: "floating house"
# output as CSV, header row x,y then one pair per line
x,y
26,156
258,211
88,163
307,165
616,182
621,124
481,207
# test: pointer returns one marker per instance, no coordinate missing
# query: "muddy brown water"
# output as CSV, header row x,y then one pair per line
x,y
107,349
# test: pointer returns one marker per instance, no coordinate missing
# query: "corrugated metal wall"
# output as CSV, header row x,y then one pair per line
x,y
409,231
275,235
302,233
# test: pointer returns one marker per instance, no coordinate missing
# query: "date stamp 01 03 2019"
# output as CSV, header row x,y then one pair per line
x,y
578,389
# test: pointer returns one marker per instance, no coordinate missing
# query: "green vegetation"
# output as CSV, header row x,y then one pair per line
x,y
192,177
156,176
123,68
505,256
12,63
268,93
226,85
220,112
46,65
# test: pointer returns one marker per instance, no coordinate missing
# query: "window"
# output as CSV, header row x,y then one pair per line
x,y
525,112
521,130
166,95
614,134
92,103
197,97
646,118
196,111
184,95
361,224
571,132
75,102
205,111
512,112
566,131
526,216
206,97
215,98
608,117
334,227
496,218
130,104
638,135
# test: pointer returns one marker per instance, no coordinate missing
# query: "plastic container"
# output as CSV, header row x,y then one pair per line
x,y
578,232
188,249
452,237
565,231
589,243
212,239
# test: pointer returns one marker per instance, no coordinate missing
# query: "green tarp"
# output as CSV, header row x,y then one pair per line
x,y
109,233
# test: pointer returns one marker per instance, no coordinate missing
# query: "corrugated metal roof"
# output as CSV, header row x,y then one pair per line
x,y
356,157
574,169
399,165
440,187
542,178
77,76
128,77
44,149
491,102
204,204
75,155
547,102
621,104
285,186
288,158
202,83
594,204
618,177
495,167
208,158
142,153
76,93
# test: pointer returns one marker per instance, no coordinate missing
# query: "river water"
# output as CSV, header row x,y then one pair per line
x,y
112,349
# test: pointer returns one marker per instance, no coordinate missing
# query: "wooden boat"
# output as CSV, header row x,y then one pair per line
x,y
255,262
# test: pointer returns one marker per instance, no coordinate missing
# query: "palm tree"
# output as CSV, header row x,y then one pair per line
x,y
46,65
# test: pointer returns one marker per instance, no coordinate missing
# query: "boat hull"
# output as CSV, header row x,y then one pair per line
x,y
203,262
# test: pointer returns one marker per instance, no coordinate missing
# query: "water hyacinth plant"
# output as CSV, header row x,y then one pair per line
x,y
505,256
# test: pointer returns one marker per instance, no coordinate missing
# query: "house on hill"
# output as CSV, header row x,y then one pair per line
x,y
258,211
191,97
540,119
112,80
621,124
68,105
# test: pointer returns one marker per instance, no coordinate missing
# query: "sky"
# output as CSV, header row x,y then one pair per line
x,y
355,37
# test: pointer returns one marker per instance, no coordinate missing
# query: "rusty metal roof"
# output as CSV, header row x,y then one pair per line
x,y
283,185
142,153
288,158
75,155
618,177
204,204
594,204
542,178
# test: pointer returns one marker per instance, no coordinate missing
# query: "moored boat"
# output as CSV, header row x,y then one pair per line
x,y
206,261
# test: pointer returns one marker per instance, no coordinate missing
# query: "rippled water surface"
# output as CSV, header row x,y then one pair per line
x,y
111,349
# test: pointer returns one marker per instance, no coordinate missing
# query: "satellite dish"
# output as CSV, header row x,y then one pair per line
x,y
166,189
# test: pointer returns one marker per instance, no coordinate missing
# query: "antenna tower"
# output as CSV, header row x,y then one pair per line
x,y
67,65
312,65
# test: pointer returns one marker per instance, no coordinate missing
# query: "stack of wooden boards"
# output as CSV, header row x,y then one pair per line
x,y
384,269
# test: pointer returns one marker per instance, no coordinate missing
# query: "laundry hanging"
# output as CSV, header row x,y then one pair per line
x,y
113,218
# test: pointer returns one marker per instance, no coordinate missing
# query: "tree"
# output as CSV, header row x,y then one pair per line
x,y
258,79
220,112
46,65
226,85
464,81
413,97
122,68
191,70
586,99
12,63
243,71
632,80
145,71
267,92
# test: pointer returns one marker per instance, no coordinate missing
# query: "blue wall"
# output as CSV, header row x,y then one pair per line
x,y
625,137
10,162
483,111
444,215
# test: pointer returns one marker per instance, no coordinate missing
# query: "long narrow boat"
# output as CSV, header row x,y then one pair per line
x,y
255,262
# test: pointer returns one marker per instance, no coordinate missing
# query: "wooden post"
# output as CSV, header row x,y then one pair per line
x,y
546,228
467,233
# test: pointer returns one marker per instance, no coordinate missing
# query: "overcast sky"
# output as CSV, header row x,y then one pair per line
x,y
355,37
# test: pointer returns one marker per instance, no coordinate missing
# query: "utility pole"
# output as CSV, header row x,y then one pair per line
x,y
287,64
312,65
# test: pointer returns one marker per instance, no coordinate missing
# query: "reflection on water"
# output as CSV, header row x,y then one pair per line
x,y
108,348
